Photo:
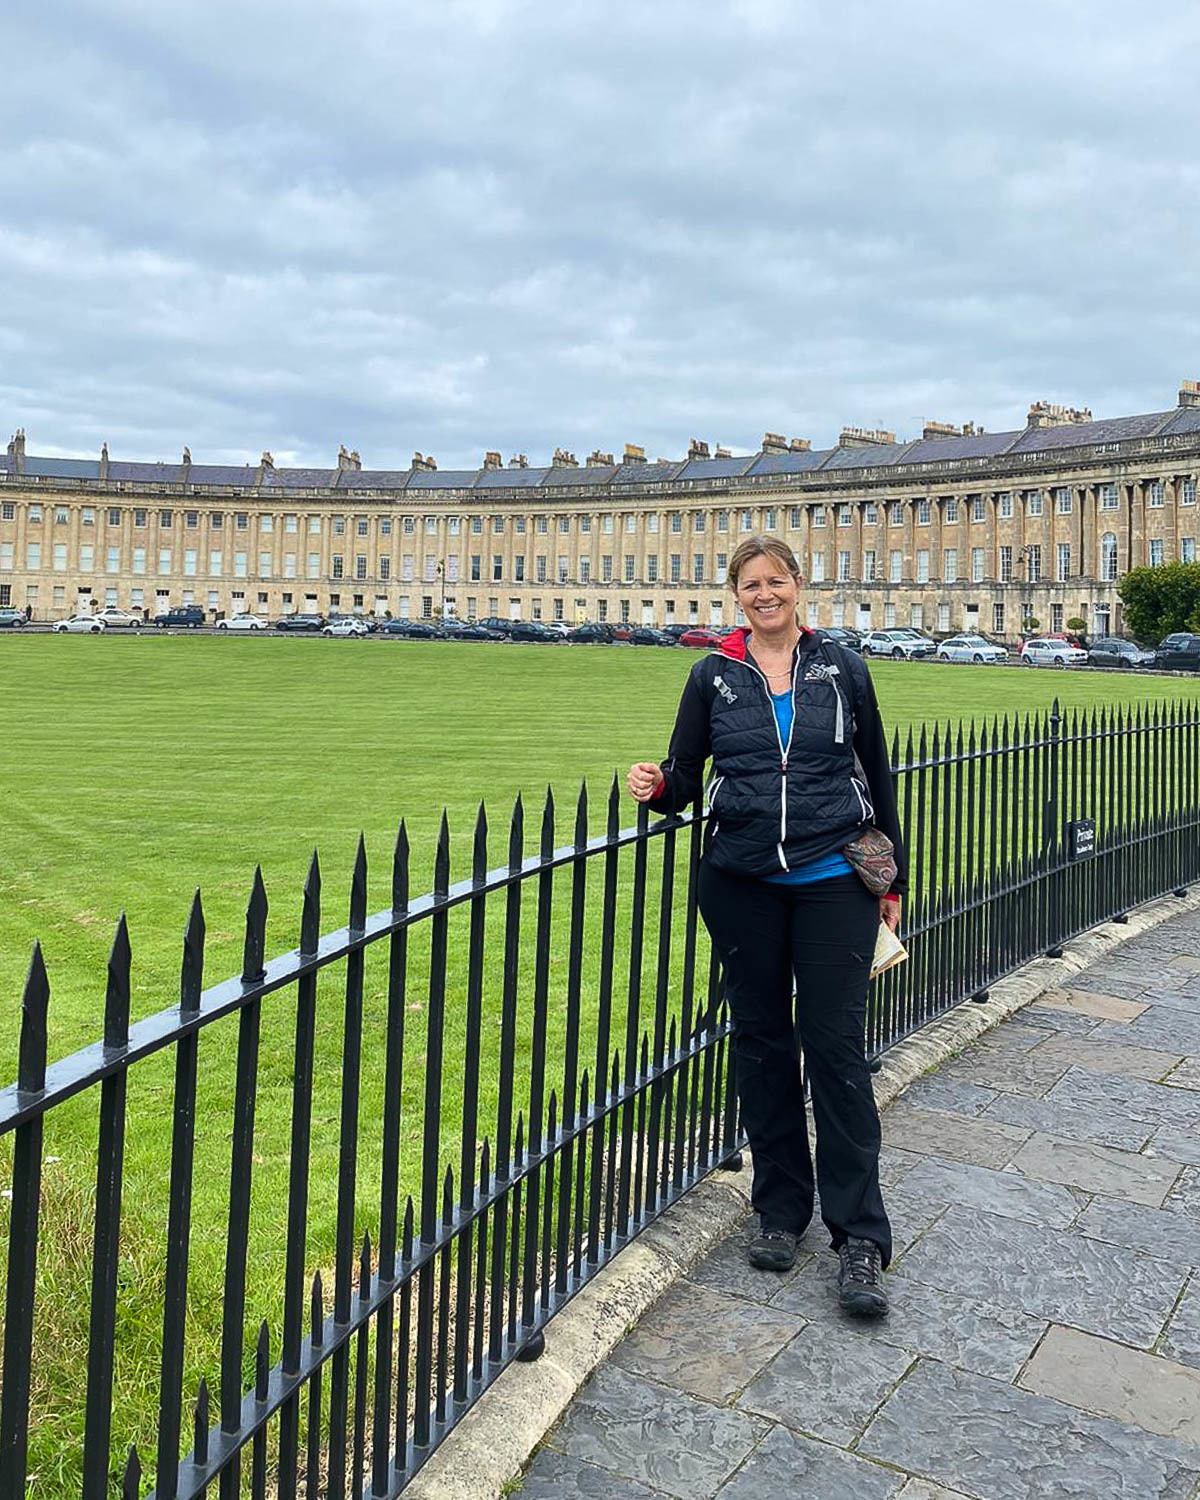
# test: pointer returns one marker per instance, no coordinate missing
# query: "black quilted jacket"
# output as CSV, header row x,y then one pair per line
x,y
777,806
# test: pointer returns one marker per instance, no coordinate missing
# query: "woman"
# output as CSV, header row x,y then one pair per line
x,y
800,769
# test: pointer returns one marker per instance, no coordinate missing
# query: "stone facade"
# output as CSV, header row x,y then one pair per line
x,y
958,529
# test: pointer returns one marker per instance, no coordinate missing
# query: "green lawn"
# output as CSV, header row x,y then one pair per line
x,y
136,769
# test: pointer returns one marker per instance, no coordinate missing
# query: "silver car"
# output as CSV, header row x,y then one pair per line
x,y
347,625
119,619
970,648
1039,653
900,643
80,625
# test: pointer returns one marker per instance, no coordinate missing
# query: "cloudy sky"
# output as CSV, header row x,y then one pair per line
x,y
471,224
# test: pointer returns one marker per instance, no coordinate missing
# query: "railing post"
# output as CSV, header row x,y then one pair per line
x,y
1052,838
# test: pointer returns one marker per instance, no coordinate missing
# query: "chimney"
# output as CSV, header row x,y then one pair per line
x,y
800,445
774,442
723,452
634,454
941,430
865,437
266,461
1049,414
355,459
696,449
598,460
1189,393
103,461
565,460
186,460
348,460
16,451
492,460
518,461
421,464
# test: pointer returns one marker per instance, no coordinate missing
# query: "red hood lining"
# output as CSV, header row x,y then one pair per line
x,y
734,644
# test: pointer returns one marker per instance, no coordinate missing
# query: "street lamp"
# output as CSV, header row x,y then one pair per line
x,y
441,573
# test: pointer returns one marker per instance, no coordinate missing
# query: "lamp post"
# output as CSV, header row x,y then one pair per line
x,y
441,572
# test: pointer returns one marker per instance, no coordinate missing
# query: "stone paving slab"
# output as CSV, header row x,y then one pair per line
x,y
1048,1273
644,1431
1098,1007
1158,1232
961,1331
1098,1169
554,1476
1030,1071
1186,1075
1064,1022
706,1344
1103,1056
1134,1098
1005,1192
1162,1026
1098,1375
1182,1338
926,1131
826,1388
1001,1443
1071,1122
786,1464
1178,1143
937,1091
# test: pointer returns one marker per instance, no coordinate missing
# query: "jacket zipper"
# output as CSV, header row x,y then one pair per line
x,y
784,750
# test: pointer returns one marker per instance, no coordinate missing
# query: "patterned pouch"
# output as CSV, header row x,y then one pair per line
x,y
873,857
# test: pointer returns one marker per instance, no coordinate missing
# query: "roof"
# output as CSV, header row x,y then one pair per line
x,y
1178,422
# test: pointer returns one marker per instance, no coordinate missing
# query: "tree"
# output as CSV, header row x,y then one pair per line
x,y
1078,626
1161,600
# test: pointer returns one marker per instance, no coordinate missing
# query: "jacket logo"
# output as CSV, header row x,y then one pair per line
x,y
819,672
725,690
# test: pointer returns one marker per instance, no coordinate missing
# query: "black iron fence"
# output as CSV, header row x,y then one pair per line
x,y
484,1119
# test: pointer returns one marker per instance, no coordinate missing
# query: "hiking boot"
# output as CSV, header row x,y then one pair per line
x,y
773,1250
860,1279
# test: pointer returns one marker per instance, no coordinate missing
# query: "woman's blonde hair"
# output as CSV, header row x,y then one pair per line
x,y
761,546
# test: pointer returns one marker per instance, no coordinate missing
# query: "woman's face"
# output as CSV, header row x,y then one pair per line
x,y
767,593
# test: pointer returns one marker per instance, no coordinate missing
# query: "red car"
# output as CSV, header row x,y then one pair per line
x,y
701,636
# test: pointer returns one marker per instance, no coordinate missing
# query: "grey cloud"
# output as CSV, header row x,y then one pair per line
x,y
515,225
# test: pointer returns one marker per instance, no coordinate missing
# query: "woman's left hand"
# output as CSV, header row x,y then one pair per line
x,y
889,911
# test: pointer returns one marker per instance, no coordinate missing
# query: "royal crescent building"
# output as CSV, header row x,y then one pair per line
x,y
959,529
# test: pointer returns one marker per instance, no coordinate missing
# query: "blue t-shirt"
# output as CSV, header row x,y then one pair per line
x,y
827,865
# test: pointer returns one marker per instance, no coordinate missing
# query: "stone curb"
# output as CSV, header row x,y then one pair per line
x,y
497,1437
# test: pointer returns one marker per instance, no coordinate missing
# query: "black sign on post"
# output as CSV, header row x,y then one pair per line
x,y
1081,838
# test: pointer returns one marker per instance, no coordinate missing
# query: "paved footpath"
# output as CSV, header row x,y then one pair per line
x,y
1044,1338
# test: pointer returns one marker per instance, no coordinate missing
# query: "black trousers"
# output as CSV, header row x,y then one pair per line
x,y
822,936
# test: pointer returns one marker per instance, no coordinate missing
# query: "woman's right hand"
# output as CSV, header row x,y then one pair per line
x,y
644,780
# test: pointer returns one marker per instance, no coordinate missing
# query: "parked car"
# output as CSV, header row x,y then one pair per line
x,y
300,622
1178,653
1113,651
970,648
412,630
80,625
499,624
646,635
533,630
369,624
468,630
189,615
346,625
242,622
589,635
11,619
843,636
902,643
118,619
677,630
1040,652
701,637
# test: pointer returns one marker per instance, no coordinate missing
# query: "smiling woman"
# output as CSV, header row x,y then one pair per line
x,y
799,772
